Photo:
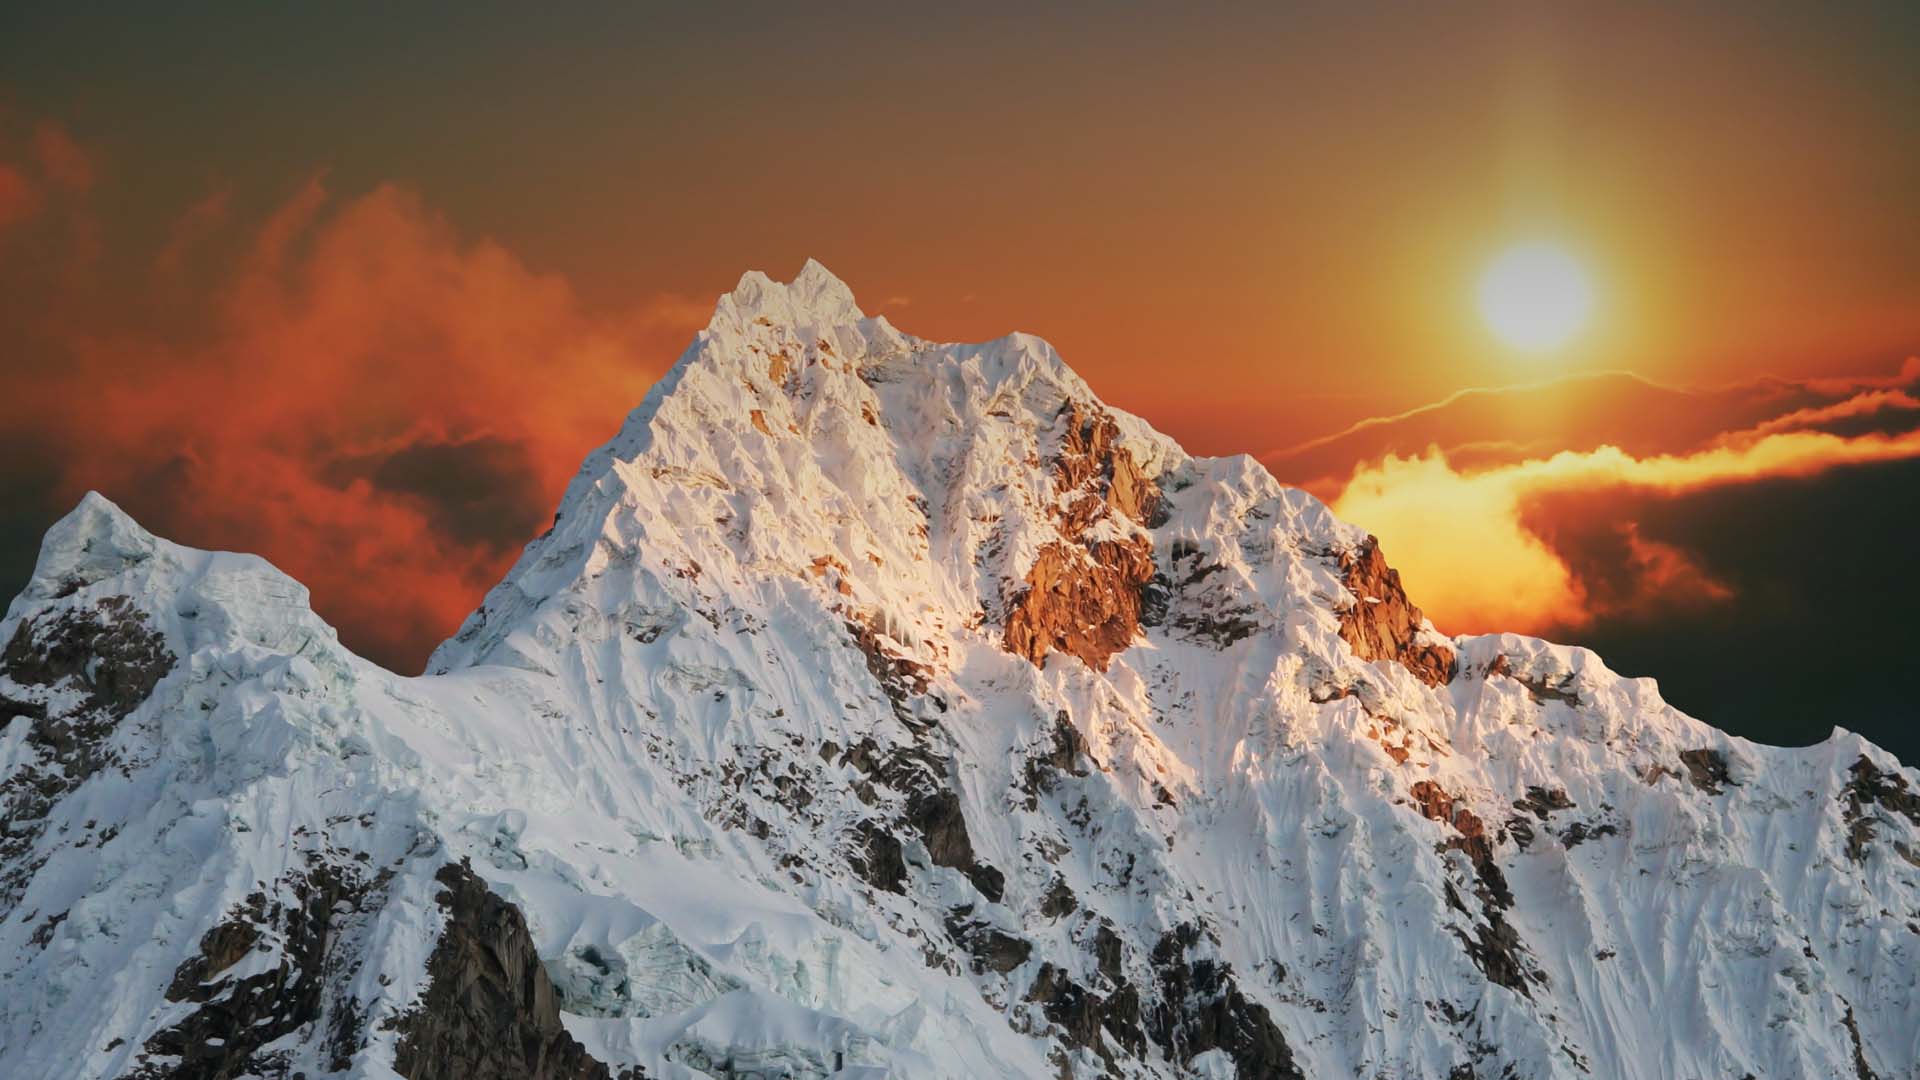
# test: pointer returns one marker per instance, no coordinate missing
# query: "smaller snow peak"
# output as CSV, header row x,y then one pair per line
x,y
96,540
814,298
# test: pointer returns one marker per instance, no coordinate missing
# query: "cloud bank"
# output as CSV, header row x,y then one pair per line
x,y
384,408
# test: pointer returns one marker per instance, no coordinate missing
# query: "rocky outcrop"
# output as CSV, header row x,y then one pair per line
x,y
1092,465
489,1011
1081,601
1382,624
113,657
1109,1025
1202,1008
991,948
1198,607
1085,597
109,650
929,807
1493,944
899,677
1706,769
234,1019
1873,795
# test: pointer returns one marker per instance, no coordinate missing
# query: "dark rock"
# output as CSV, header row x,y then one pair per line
x,y
113,656
1706,768
1108,951
1861,1070
489,1011
879,859
1871,790
1062,756
1084,1016
1580,832
1201,1008
899,677
1059,900
1543,801
1494,946
932,809
109,650
1200,613
992,949
234,1020
1539,688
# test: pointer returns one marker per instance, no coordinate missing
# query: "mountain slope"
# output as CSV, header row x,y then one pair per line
x,y
883,707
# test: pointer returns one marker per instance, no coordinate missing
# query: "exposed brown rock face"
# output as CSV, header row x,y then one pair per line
x,y
1082,601
1085,598
1091,459
1874,794
1384,624
1706,768
1494,946
489,1012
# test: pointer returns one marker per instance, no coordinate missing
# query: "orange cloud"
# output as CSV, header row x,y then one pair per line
x,y
61,159
1864,404
1463,539
18,199
384,408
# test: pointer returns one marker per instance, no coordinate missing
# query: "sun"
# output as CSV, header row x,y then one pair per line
x,y
1535,297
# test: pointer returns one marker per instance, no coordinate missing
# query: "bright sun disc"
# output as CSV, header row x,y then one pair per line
x,y
1535,297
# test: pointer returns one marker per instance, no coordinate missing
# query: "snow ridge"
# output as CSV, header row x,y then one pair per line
x,y
746,743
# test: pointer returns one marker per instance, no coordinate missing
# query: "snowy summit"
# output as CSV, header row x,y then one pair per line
x,y
879,707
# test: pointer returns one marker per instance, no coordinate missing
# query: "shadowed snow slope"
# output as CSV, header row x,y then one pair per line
x,y
878,707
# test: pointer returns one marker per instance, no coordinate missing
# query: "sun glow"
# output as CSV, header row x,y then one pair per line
x,y
1535,297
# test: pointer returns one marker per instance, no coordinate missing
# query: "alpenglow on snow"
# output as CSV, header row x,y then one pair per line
x,y
879,707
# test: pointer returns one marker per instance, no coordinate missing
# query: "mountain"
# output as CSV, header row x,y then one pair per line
x,y
877,707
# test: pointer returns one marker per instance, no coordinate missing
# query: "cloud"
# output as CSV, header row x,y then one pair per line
x,y
1817,632
61,159
1583,412
19,199
1868,405
383,407
1484,550
483,491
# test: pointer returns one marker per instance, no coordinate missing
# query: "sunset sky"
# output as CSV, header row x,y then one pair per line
x,y
357,288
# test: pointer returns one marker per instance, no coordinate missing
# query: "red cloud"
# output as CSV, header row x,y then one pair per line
x,y
384,408
61,159
18,198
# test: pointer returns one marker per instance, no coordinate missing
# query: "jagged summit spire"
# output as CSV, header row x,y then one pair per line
x,y
815,297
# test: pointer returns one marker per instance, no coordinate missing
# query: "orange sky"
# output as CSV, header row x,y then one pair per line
x,y
358,290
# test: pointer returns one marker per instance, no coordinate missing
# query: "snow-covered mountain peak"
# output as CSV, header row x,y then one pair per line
x,y
878,706
94,540
815,298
